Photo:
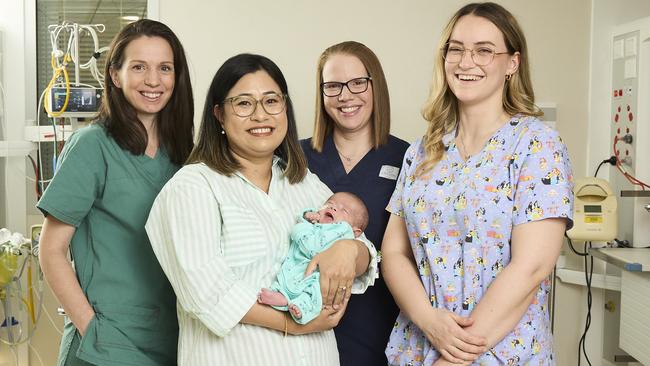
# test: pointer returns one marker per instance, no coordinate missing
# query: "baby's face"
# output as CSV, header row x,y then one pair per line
x,y
337,209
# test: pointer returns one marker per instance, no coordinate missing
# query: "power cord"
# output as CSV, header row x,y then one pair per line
x,y
573,249
589,272
612,161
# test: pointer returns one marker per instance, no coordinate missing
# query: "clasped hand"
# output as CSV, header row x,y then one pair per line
x,y
445,330
337,271
326,320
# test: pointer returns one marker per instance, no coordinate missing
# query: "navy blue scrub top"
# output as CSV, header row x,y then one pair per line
x,y
363,332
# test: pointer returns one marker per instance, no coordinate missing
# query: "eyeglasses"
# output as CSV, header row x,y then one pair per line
x,y
482,56
245,105
335,88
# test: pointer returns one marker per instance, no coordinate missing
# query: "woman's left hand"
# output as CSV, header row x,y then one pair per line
x,y
326,320
337,267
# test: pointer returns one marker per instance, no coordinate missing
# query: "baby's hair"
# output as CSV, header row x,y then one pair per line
x,y
362,216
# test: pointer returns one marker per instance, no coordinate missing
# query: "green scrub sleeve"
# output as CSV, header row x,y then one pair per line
x,y
79,179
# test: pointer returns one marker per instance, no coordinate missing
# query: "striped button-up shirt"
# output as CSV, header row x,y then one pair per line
x,y
220,240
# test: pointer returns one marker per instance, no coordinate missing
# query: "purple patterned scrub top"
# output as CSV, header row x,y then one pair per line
x,y
459,218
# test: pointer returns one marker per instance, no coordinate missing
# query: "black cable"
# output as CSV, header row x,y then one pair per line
x,y
589,271
599,165
588,278
611,161
574,249
40,180
553,284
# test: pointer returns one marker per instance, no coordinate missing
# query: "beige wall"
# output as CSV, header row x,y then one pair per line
x,y
404,35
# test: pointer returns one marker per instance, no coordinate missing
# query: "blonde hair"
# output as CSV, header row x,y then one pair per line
x,y
380,119
441,108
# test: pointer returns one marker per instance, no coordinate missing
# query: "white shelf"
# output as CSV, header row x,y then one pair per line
x,y
15,148
629,259
46,133
574,277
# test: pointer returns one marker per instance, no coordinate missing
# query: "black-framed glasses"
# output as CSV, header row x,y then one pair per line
x,y
245,105
482,56
335,88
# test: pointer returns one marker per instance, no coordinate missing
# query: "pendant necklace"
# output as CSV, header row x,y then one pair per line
x,y
346,159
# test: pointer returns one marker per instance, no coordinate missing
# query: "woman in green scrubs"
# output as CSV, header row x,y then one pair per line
x,y
121,310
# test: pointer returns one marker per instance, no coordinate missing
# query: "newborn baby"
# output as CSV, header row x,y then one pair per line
x,y
344,216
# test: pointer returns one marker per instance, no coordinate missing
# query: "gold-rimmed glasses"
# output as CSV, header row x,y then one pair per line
x,y
245,105
482,55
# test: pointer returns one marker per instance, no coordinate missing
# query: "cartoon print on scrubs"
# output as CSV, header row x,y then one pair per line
x,y
459,218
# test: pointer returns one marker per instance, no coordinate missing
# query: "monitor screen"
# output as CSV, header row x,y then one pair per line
x,y
593,209
81,100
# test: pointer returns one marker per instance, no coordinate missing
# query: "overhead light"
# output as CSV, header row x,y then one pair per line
x,y
130,18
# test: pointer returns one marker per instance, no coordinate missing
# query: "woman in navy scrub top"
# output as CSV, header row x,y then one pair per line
x,y
352,151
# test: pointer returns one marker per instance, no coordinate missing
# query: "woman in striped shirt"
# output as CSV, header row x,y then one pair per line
x,y
220,229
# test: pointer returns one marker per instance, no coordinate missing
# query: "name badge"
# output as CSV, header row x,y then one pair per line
x,y
389,172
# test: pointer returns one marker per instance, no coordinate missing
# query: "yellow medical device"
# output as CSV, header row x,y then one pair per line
x,y
594,211
8,264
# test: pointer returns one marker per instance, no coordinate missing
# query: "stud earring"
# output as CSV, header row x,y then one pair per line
x,y
508,76
223,132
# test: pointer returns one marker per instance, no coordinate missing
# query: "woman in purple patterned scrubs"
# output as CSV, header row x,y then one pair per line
x,y
480,207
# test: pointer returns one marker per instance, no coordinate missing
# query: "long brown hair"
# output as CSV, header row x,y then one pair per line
x,y
324,124
212,146
174,122
441,108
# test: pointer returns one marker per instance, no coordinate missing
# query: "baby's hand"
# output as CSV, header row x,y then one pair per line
x,y
312,216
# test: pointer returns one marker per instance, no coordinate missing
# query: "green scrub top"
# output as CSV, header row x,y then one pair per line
x,y
106,193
